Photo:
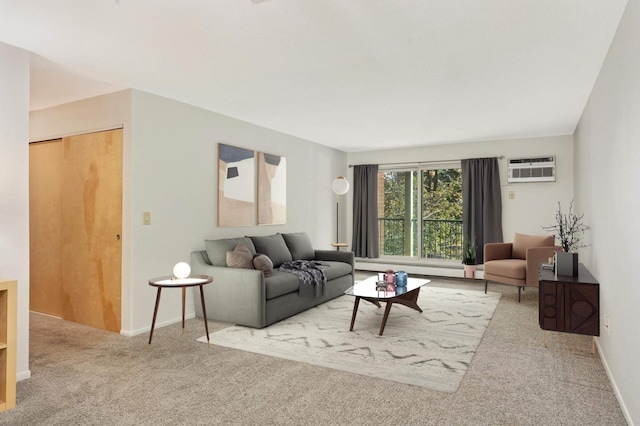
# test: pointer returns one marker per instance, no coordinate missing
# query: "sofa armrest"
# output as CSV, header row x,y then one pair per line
x,y
336,256
495,251
236,295
536,256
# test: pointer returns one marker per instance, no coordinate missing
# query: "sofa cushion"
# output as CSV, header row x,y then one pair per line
x,y
240,257
274,247
264,264
300,246
281,283
217,249
333,270
522,242
509,268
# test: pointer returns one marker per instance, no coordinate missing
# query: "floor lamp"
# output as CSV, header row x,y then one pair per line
x,y
340,186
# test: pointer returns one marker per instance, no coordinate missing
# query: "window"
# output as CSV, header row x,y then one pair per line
x,y
420,212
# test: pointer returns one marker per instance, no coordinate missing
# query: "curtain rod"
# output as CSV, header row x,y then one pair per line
x,y
423,163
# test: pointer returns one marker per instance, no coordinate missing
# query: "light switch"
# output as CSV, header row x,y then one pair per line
x,y
146,218
512,195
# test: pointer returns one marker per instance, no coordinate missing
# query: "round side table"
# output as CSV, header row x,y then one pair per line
x,y
169,281
338,245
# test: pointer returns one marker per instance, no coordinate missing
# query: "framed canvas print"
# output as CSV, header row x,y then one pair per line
x,y
272,189
236,186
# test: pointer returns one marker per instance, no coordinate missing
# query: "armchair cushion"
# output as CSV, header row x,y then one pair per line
x,y
522,242
495,251
509,268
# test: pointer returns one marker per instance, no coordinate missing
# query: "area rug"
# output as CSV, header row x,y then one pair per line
x,y
432,349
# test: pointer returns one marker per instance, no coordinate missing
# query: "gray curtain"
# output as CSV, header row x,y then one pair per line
x,y
365,211
481,202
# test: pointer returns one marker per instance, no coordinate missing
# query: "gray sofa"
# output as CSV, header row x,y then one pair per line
x,y
244,296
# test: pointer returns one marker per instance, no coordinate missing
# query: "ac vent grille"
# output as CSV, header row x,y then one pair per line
x,y
533,169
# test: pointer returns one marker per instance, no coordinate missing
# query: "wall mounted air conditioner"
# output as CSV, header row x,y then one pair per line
x,y
532,169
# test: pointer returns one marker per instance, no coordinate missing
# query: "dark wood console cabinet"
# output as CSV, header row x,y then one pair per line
x,y
569,304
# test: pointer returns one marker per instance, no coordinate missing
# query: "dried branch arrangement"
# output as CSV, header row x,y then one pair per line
x,y
569,229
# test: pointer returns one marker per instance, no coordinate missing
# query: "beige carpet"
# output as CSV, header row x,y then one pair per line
x,y
432,349
84,376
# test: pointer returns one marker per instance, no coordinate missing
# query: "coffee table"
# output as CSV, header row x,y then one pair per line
x,y
407,296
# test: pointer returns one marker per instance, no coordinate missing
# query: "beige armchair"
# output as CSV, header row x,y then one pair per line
x,y
517,263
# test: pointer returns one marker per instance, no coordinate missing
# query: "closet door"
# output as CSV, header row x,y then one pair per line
x,y
75,228
45,227
91,229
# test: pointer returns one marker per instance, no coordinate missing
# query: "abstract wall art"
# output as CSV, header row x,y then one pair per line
x,y
272,189
236,186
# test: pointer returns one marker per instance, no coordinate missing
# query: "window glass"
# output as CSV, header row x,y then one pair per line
x,y
442,214
420,212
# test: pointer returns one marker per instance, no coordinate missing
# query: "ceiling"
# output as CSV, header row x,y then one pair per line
x,y
350,74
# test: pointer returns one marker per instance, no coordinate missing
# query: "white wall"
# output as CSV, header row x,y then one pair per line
x,y
606,186
175,164
14,187
534,203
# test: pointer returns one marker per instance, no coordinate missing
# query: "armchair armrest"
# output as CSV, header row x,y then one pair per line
x,y
495,251
536,256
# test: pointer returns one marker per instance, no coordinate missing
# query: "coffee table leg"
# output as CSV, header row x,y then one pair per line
x,y
204,314
408,299
155,314
386,315
184,292
355,311
414,300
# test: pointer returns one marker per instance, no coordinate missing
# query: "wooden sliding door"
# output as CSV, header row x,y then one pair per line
x,y
89,184
45,227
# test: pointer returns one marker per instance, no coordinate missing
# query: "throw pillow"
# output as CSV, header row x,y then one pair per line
x,y
240,257
264,264
300,246
522,242
274,247
217,249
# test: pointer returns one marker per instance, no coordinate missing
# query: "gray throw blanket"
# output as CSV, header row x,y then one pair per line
x,y
310,275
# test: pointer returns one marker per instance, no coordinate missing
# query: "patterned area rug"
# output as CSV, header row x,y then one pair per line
x,y
432,349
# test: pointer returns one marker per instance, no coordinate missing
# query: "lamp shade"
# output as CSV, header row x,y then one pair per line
x,y
340,185
181,270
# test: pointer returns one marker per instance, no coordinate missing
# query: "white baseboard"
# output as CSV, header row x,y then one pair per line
x,y
129,333
23,375
616,391
412,268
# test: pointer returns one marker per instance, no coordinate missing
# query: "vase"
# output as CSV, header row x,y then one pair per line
x,y
470,271
390,277
566,264
401,279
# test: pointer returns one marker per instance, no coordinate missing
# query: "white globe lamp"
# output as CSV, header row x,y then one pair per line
x,y
181,270
340,185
